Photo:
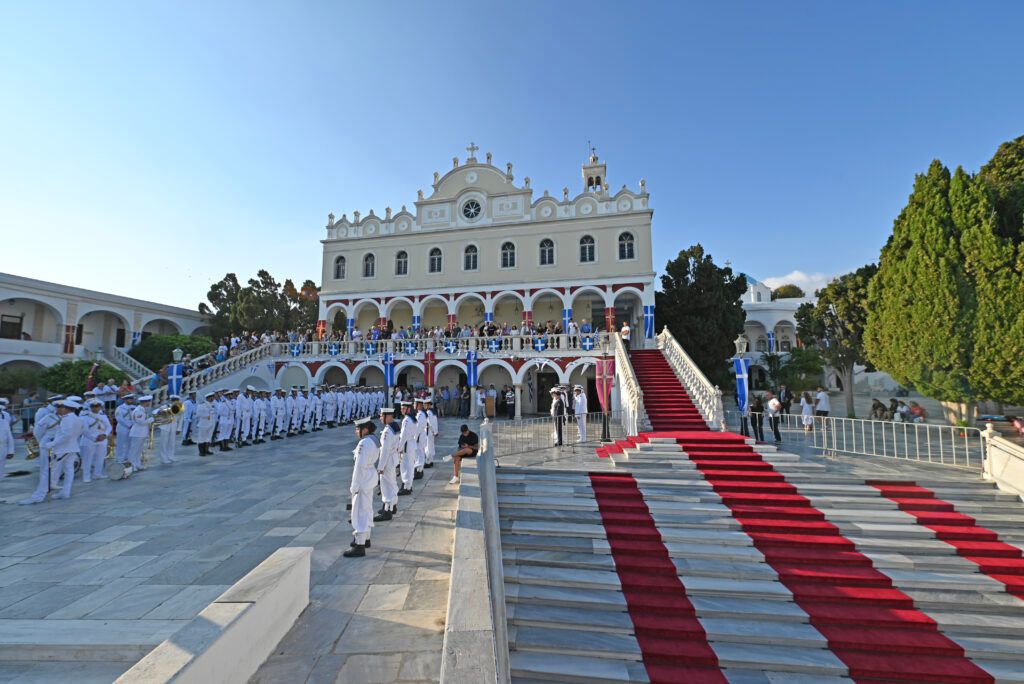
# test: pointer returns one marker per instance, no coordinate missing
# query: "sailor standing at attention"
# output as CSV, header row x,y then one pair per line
x,y
579,409
188,419
386,464
364,479
123,419
223,423
165,435
64,442
206,423
407,448
429,451
421,438
6,435
244,408
279,407
93,445
141,422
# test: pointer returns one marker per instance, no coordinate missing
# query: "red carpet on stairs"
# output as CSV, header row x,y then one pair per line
x,y
668,406
999,560
673,643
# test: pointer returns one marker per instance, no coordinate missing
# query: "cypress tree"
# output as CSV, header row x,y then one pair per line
x,y
920,305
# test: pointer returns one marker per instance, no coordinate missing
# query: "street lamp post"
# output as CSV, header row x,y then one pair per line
x,y
741,367
177,354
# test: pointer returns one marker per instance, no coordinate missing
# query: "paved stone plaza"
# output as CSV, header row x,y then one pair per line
x,y
93,583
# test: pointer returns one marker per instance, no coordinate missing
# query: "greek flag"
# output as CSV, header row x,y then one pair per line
x,y
410,348
371,349
350,324
649,321
540,344
566,317
136,337
451,346
333,349
742,369
488,317
389,369
295,349
587,343
493,344
175,374
471,369
771,343
417,321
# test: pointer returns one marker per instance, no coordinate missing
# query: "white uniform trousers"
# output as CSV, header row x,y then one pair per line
x,y
89,452
245,428
581,426
420,455
362,515
389,489
99,458
281,426
122,445
186,426
429,451
165,443
136,445
223,429
408,465
204,435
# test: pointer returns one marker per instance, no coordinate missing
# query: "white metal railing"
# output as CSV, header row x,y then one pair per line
x,y
534,434
125,362
632,412
705,396
949,445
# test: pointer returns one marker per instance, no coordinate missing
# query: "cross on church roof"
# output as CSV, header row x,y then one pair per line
x,y
472,149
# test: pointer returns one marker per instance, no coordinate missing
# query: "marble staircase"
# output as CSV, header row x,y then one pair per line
x,y
704,557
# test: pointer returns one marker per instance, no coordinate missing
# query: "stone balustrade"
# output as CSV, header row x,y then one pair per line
x,y
706,396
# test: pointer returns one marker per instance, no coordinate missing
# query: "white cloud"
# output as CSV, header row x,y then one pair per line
x,y
808,282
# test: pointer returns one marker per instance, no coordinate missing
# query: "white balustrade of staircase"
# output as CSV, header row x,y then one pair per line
x,y
125,362
1004,462
631,397
705,396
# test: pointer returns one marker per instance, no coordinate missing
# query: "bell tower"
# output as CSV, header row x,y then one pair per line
x,y
594,173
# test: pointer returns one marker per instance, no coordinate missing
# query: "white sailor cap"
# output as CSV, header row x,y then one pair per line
x,y
173,396
54,399
145,397
367,420
387,409
130,395
210,394
94,402
69,403
250,388
4,401
428,400
88,393
578,388
555,390
405,403
75,398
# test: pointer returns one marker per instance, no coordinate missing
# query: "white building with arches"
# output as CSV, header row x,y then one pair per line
x,y
770,325
480,247
43,323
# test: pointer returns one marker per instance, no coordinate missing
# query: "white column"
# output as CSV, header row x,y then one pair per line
x,y
519,401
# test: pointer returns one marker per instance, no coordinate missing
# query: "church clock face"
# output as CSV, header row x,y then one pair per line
x,y
471,210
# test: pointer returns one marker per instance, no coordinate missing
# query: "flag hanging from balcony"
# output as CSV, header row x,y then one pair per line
x,y
136,337
540,344
451,346
488,317
333,348
771,343
175,374
389,369
428,369
471,378
742,370
587,343
295,349
605,381
566,317
649,321
321,329
350,325
410,347
493,344
417,321
371,348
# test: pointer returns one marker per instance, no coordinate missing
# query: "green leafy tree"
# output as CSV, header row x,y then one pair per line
x,y
788,291
834,325
14,380
802,369
700,305
223,297
303,303
1003,175
70,377
261,304
772,362
157,350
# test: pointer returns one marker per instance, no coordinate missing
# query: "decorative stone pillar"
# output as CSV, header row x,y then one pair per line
x,y
519,401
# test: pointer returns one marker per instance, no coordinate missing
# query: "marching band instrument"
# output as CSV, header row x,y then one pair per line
x,y
119,471
31,447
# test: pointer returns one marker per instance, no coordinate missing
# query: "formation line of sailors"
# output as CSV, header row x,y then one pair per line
x,y
400,453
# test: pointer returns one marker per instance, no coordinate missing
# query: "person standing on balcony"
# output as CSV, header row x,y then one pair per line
x,y
579,407
625,333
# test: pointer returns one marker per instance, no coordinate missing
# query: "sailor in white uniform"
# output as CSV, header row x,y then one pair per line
x,y
123,419
206,423
579,409
429,450
407,448
63,441
6,435
95,436
223,423
421,437
364,479
141,422
188,420
165,435
386,464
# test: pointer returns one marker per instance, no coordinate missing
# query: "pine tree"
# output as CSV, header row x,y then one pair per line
x,y
920,305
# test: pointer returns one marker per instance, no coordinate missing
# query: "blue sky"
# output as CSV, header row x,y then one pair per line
x,y
150,147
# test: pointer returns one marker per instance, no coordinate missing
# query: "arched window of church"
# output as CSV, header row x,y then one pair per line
x,y
369,266
786,345
626,250
435,260
762,344
586,249
597,183
508,255
402,263
469,258
590,182
339,268
757,296
547,252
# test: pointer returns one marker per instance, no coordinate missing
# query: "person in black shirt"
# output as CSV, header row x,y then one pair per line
x,y
469,444
558,409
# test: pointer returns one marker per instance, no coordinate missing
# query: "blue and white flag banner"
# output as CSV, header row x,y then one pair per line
x,y
295,348
493,344
488,317
389,369
417,321
649,321
540,344
350,325
270,367
136,337
175,374
771,343
333,348
471,378
410,348
566,317
742,369
587,343
451,346
371,348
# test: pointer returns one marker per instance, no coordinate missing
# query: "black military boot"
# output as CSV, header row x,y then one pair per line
x,y
353,544
357,551
383,516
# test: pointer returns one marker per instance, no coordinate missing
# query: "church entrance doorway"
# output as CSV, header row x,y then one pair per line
x,y
545,381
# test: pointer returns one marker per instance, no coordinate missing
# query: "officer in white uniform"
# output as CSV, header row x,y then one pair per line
x,y
223,423
407,448
6,436
279,407
386,464
63,442
165,436
206,423
421,437
141,422
579,409
244,406
93,445
188,420
431,433
364,479
123,419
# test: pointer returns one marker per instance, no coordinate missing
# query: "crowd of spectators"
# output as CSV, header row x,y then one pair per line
x,y
898,411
